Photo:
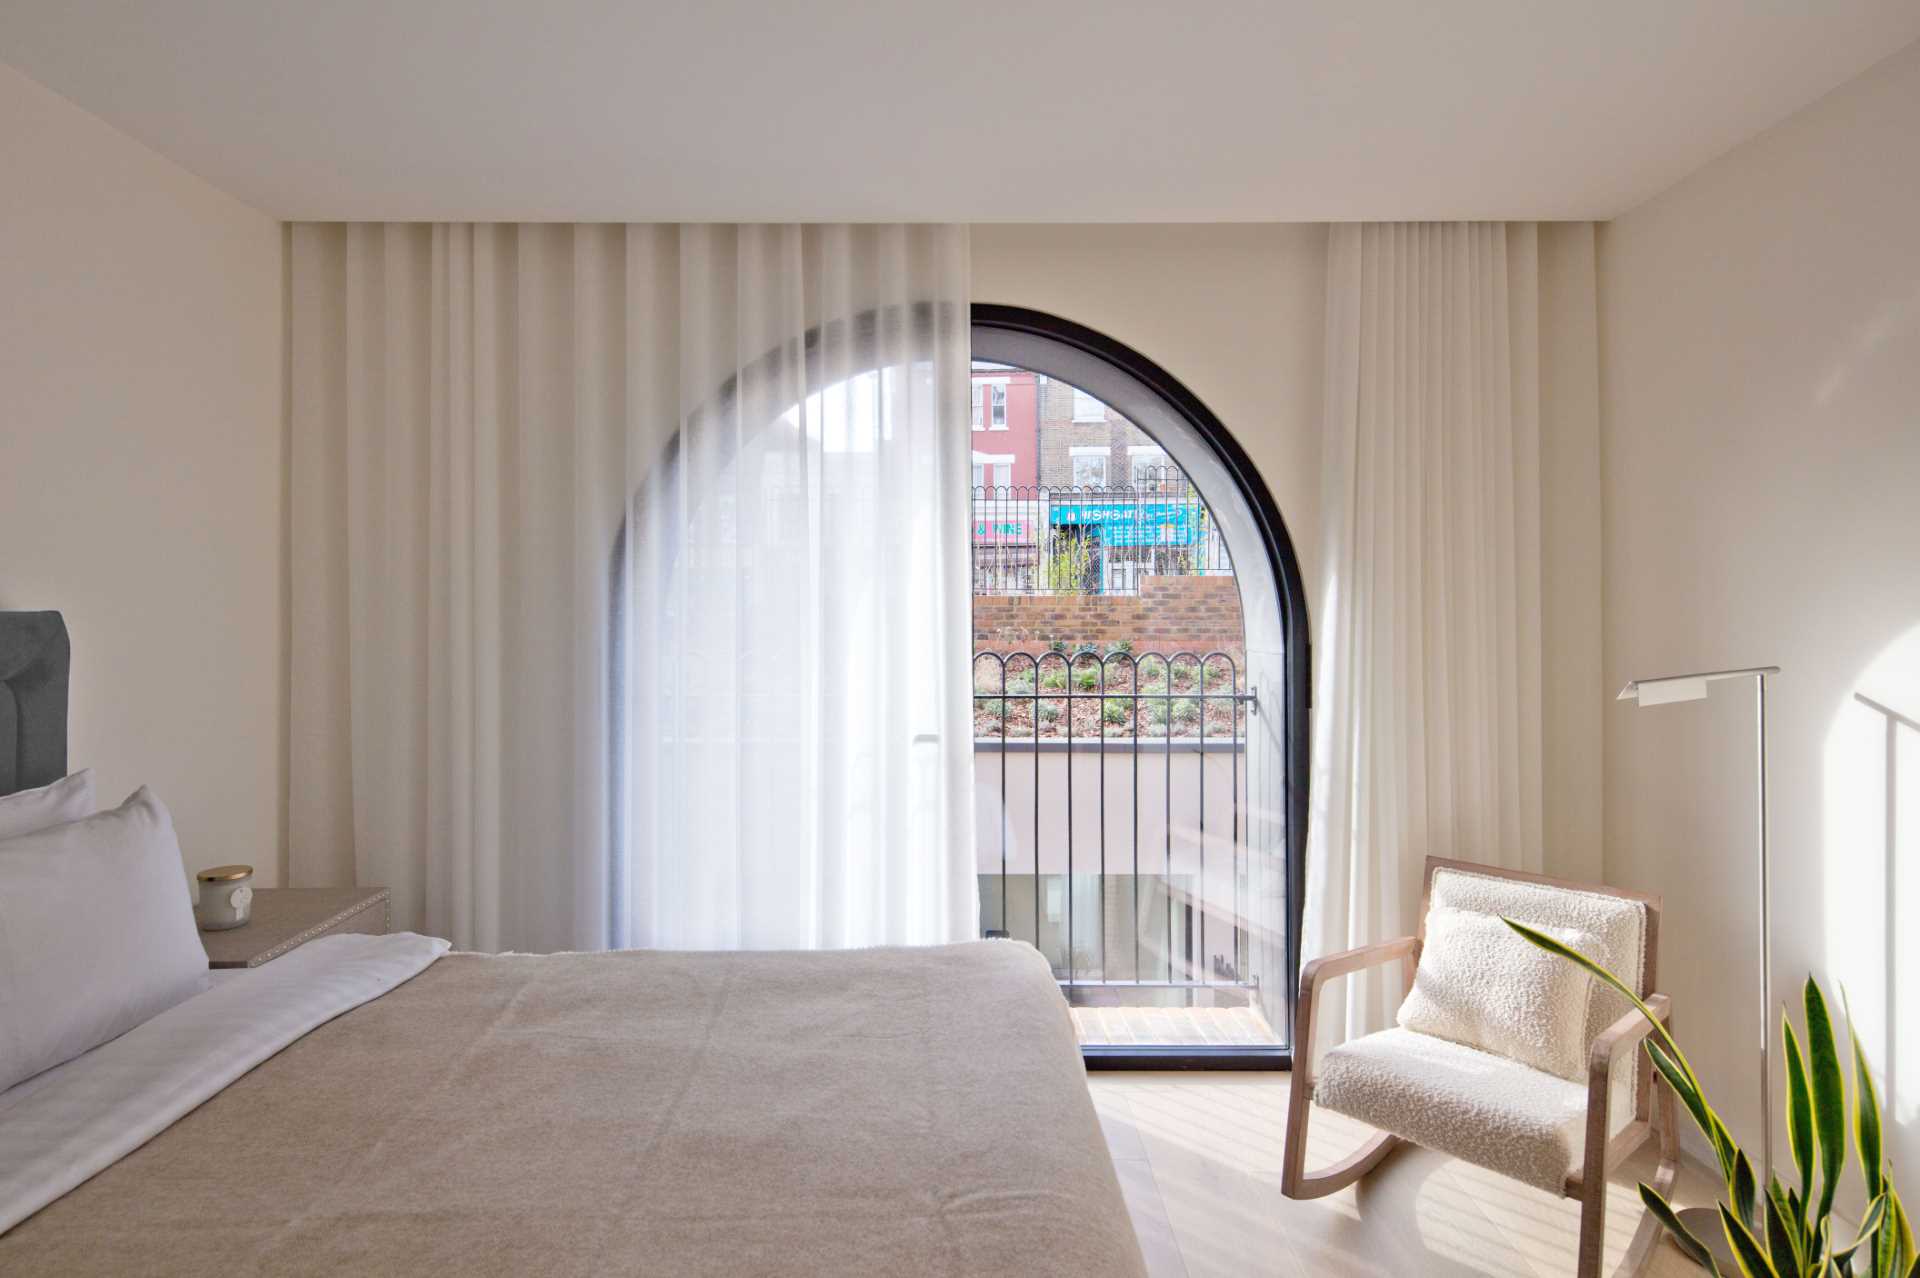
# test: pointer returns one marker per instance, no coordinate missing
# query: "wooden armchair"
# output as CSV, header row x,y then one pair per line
x,y
1545,1129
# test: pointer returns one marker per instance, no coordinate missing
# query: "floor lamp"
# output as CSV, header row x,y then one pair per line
x,y
1704,1222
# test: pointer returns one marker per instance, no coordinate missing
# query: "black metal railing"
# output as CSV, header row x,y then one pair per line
x,y
1056,716
1055,540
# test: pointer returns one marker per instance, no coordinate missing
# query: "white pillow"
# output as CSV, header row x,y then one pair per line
x,y
1482,984
68,799
96,934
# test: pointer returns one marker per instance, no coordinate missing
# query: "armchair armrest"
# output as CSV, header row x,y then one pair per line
x,y
1629,1029
1604,1151
1323,969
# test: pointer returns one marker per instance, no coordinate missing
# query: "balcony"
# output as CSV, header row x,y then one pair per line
x,y
1113,820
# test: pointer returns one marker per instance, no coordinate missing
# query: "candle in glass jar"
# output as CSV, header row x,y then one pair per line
x,y
226,897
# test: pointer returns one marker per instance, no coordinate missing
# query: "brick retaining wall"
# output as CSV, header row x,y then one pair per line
x,y
1170,614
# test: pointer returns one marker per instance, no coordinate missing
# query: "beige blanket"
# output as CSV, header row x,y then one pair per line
x,y
886,1112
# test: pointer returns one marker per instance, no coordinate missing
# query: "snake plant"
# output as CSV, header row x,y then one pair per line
x,y
1786,1231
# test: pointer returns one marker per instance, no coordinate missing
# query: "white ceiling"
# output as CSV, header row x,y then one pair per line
x,y
982,110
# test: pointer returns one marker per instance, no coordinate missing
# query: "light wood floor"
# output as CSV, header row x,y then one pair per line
x,y
1199,1161
1175,1026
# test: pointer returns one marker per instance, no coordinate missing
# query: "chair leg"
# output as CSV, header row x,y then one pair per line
x,y
1593,1227
1666,1118
1294,1180
1593,1170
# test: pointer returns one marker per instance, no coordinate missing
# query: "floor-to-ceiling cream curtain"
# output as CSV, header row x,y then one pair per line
x,y
629,578
1427,734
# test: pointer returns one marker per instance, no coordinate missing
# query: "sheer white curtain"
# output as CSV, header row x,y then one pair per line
x,y
630,581
1427,705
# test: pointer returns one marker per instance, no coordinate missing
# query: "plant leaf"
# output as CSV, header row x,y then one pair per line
x,y
1676,1068
1744,1189
1702,1114
1783,1236
1553,946
1869,1226
1894,1246
1799,1113
1829,1097
1683,1238
1866,1108
1902,1226
1753,1261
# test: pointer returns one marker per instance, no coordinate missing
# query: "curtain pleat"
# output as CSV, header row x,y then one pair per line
x,y
1427,732
630,583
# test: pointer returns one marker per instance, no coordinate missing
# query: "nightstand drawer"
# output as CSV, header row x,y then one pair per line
x,y
286,918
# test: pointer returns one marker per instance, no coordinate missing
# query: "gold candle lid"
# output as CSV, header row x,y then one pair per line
x,y
224,873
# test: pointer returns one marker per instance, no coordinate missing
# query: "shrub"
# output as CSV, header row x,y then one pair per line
x,y
1054,681
1113,710
1069,567
1049,712
1086,680
1120,647
1022,682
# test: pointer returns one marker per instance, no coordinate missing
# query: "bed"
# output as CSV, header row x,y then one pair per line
x,y
376,1104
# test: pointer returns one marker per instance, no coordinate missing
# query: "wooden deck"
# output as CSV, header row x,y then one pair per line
x,y
1174,1026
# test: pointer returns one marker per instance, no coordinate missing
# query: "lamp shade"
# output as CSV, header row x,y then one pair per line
x,y
1687,687
1654,692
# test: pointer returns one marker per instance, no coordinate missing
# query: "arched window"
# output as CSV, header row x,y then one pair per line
x,y
1187,439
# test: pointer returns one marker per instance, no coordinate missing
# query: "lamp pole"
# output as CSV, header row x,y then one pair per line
x,y
1766,935
1704,1222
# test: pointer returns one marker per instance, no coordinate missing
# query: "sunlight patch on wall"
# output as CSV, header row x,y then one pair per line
x,y
1872,876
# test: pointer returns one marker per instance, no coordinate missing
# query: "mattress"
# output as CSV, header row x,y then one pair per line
x,y
897,1112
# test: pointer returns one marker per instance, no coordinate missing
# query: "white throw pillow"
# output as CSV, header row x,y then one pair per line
x,y
1482,984
96,934
68,799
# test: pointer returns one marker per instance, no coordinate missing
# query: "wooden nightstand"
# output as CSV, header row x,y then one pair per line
x,y
285,918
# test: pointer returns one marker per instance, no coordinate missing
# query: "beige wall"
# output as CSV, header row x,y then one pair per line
x,y
1761,357
141,465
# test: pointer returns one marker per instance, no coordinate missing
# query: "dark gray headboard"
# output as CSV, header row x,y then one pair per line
x,y
33,699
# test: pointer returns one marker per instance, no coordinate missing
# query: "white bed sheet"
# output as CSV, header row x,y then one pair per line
x,y
67,1123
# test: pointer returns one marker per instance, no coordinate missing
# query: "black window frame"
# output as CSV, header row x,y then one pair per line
x,y
1296,696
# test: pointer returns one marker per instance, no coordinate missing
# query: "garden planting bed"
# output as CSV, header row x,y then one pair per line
x,y
1088,696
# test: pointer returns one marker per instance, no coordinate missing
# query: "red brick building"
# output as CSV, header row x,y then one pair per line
x,y
1031,430
1006,419
1086,444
